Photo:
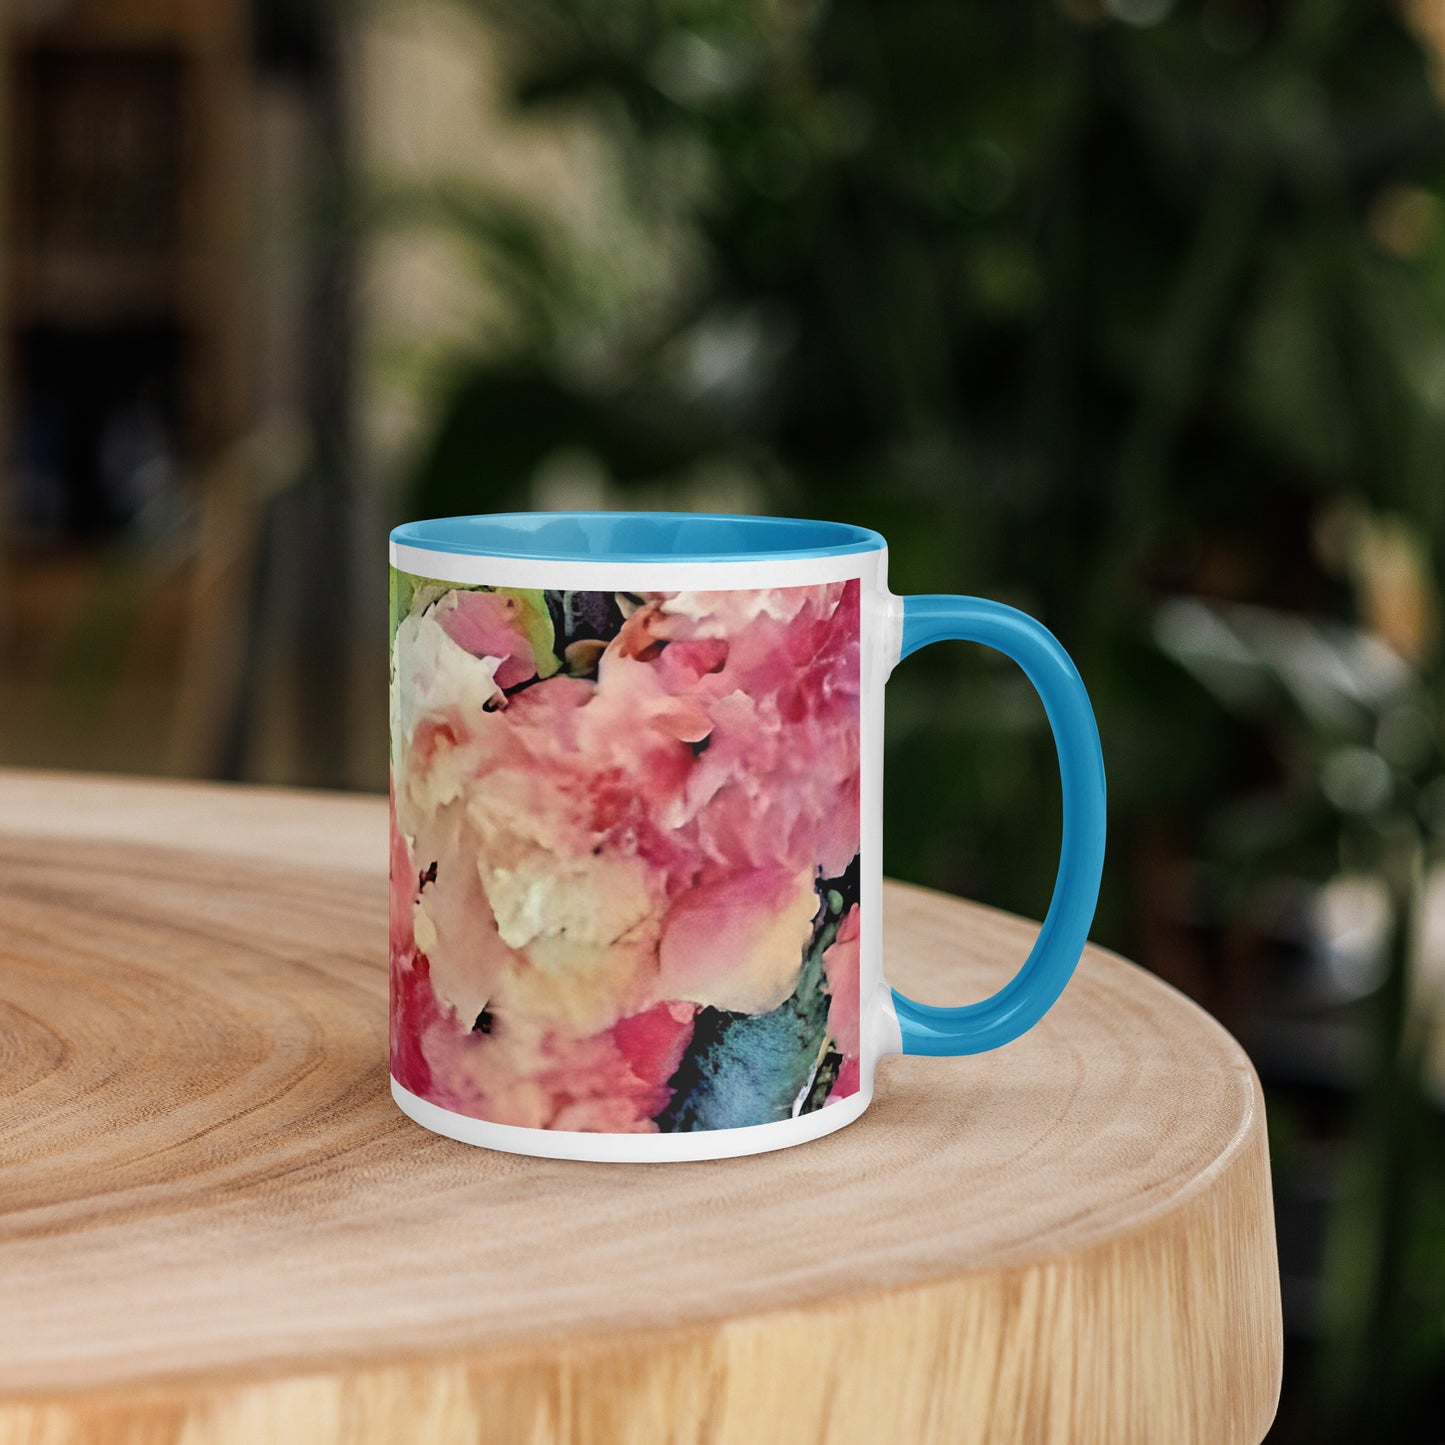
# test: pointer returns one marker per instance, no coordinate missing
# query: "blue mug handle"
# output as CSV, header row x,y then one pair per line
x,y
1024,1000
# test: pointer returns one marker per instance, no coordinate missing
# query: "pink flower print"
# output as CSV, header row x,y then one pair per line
x,y
505,625
736,941
617,1081
582,863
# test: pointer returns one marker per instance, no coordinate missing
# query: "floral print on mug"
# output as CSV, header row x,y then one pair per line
x,y
624,853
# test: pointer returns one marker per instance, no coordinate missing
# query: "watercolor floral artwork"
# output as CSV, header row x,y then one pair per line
x,y
624,854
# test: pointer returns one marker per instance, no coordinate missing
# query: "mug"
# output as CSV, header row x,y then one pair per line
x,y
636,829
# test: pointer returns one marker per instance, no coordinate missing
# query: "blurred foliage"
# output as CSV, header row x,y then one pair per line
x,y
1130,313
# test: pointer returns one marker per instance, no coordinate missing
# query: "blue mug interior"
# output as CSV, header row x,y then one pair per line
x,y
637,536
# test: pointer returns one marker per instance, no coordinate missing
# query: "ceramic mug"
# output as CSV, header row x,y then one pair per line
x,y
636,863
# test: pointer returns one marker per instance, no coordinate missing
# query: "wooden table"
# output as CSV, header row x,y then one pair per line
x,y
215,1225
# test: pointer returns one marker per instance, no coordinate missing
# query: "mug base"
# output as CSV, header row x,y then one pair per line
x,y
630,1148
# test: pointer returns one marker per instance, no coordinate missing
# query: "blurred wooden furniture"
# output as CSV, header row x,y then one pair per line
x,y
124,247
215,1226
127,340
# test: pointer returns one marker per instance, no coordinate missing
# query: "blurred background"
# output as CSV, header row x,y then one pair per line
x,y
1128,312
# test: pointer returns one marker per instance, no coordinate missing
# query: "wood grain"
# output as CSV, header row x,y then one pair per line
x,y
216,1227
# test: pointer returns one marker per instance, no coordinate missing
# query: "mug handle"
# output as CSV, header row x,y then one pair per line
x,y
1024,1000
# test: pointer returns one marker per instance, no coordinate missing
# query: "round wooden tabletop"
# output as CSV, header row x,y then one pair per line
x,y
216,1226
